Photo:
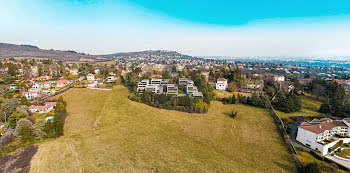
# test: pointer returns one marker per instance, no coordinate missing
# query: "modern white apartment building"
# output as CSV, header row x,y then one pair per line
x,y
156,81
314,134
190,89
172,90
183,81
158,89
142,85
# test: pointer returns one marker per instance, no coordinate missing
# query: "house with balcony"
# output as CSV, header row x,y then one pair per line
x,y
183,81
142,85
190,89
172,90
154,88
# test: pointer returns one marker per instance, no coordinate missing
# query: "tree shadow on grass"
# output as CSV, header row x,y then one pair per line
x,y
285,167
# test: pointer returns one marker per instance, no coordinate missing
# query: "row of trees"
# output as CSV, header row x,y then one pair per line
x,y
283,102
186,104
257,100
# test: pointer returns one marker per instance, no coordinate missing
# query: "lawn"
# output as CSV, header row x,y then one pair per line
x,y
106,132
345,153
226,94
309,109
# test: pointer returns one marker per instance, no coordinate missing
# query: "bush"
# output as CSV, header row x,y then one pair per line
x,y
134,97
234,114
310,168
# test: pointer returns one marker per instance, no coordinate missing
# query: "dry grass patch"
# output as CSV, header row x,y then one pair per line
x,y
134,137
226,94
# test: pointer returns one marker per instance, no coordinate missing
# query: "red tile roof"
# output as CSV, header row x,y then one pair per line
x,y
62,81
38,107
326,124
50,104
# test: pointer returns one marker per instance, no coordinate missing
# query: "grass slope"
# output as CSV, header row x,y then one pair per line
x,y
309,109
106,132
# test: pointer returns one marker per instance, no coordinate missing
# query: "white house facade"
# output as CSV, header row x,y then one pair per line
x,y
221,84
316,133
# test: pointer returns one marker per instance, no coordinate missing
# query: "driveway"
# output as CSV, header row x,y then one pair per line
x,y
344,162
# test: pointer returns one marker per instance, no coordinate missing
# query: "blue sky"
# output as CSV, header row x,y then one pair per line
x,y
199,28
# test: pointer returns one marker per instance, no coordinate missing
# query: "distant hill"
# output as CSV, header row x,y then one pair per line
x,y
12,50
148,52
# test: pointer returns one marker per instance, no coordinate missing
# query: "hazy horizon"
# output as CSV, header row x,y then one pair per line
x,y
197,28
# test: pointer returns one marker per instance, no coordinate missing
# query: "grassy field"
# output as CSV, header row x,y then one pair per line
x,y
309,109
106,132
226,94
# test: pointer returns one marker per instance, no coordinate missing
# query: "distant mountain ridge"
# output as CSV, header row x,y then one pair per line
x,y
148,52
13,50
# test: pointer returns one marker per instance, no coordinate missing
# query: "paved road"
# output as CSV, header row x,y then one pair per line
x,y
341,161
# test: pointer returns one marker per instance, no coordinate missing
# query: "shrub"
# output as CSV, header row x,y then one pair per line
x,y
134,97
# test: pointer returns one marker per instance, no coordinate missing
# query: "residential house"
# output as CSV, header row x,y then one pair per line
x,y
61,83
30,95
74,71
278,78
13,87
46,84
221,84
110,78
39,109
43,78
90,76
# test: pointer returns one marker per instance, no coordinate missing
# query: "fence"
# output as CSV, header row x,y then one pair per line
x,y
282,130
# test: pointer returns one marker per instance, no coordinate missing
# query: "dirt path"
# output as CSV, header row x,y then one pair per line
x,y
102,111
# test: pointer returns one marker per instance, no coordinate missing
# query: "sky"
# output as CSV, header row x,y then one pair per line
x,y
298,28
